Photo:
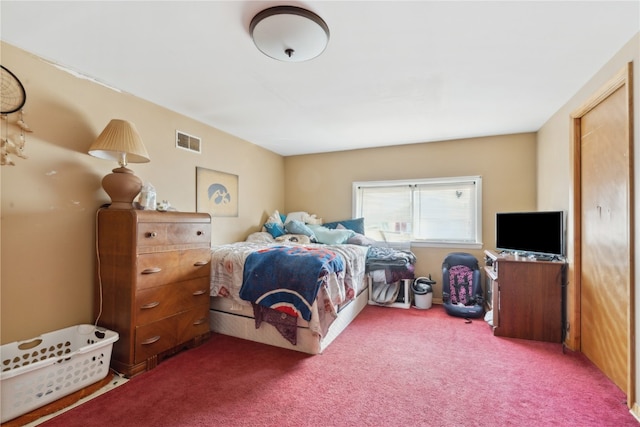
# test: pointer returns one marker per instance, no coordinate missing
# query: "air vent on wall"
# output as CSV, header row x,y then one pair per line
x,y
187,142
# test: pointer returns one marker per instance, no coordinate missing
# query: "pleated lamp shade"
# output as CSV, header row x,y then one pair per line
x,y
120,141
119,138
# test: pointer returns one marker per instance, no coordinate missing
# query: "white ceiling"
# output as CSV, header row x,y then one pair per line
x,y
394,72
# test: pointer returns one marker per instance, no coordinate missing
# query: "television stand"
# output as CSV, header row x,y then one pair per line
x,y
527,296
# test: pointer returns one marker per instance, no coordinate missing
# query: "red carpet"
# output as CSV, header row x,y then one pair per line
x,y
391,367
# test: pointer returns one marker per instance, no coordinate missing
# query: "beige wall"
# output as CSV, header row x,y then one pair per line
x,y
322,183
49,201
555,164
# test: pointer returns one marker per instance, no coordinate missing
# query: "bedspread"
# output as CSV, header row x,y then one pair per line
x,y
287,278
336,289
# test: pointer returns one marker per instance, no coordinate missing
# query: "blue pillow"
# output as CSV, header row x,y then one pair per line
x,y
275,229
274,224
356,224
331,237
298,227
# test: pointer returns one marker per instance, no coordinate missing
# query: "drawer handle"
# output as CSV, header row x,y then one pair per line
x,y
151,270
198,293
200,263
199,321
200,233
150,305
151,234
151,340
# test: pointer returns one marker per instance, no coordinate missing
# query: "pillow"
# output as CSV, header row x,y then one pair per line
x,y
361,239
260,237
276,230
294,238
356,224
274,225
331,237
297,216
357,239
298,227
313,219
303,217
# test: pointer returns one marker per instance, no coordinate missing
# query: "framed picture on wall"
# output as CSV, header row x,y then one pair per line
x,y
216,193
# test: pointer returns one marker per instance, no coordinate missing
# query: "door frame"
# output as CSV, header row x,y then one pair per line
x,y
622,78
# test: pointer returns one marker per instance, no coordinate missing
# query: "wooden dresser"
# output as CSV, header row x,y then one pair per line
x,y
152,283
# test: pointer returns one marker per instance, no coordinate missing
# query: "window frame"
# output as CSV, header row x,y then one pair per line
x,y
477,244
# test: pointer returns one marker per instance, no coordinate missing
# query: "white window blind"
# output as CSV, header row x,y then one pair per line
x,y
387,212
436,211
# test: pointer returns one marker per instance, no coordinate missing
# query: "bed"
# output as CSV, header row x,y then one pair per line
x,y
341,293
296,284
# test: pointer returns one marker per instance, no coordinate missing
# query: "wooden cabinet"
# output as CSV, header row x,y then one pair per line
x,y
526,297
152,283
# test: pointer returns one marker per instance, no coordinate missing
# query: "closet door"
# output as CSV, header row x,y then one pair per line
x,y
605,231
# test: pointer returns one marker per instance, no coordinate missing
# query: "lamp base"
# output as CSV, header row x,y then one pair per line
x,y
122,186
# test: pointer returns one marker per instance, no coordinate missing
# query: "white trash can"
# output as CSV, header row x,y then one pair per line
x,y
422,289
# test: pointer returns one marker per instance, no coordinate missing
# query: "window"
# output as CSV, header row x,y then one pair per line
x,y
429,212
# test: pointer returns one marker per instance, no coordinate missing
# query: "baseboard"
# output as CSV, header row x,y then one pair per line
x,y
635,411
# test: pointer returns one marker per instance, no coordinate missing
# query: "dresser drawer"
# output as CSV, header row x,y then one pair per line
x,y
155,338
193,323
161,268
156,303
171,233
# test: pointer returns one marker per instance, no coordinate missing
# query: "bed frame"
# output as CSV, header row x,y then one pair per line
x,y
229,318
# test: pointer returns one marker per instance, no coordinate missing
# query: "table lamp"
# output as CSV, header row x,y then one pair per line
x,y
121,142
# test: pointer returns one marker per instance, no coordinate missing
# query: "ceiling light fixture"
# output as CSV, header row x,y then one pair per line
x,y
289,33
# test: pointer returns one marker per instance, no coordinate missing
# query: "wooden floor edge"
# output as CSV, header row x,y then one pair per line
x,y
59,404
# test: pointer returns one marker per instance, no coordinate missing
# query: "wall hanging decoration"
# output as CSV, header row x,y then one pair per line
x,y
12,100
216,193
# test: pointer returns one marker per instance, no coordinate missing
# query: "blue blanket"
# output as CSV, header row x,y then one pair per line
x,y
287,278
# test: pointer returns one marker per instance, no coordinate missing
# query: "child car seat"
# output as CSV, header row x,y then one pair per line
x,y
461,287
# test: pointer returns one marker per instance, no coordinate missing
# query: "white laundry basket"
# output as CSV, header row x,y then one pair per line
x,y
43,369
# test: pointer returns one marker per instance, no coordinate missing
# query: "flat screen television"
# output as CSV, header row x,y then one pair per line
x,y
534,233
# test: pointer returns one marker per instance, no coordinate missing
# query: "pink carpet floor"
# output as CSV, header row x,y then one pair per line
x,y
391,367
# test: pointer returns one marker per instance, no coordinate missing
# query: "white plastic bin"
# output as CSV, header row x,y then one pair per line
x,y
422,289
38,371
